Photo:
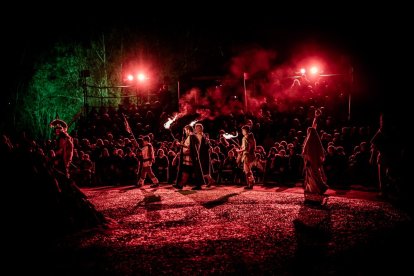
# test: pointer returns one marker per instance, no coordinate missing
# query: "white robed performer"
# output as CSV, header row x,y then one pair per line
x,y
313,156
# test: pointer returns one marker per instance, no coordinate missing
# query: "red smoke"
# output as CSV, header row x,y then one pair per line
x,y
280,87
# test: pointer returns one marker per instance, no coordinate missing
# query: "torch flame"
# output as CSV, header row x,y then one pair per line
x,y
229,136
193,123
167,125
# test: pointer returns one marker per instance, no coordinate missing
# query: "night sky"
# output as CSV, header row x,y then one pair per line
x,y
375,39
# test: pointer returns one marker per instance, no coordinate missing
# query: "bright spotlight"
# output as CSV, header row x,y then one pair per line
x,y
302,71
141,77
314,70
130,77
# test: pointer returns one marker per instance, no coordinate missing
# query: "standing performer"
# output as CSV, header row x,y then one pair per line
x,y
147,152
386,151
189,167
247,152
204,152
64,151
313,155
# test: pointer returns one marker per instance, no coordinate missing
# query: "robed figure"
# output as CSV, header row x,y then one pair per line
x,y
189,166
204,153
313,155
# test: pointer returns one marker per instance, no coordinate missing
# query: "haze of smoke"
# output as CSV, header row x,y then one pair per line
x,y
278,87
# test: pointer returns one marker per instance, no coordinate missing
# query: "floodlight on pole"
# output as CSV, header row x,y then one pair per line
x,y
141,77
351,87
314,70
130,77
245,77
303,71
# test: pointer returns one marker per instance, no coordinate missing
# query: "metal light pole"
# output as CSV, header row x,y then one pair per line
x,y
85,96
350,93
83,75
178,96
245,91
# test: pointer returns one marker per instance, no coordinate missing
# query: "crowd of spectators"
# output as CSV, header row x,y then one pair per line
x,y
106,154
108,140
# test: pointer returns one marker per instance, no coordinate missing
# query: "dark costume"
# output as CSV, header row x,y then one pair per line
x,y
205,158
204,153
190,162
387,148
64,152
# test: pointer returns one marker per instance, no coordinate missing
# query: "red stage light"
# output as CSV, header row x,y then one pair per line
x,y
314,70
141,77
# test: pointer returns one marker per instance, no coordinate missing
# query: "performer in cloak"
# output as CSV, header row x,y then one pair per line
x,y
204,152
313,155
189,166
